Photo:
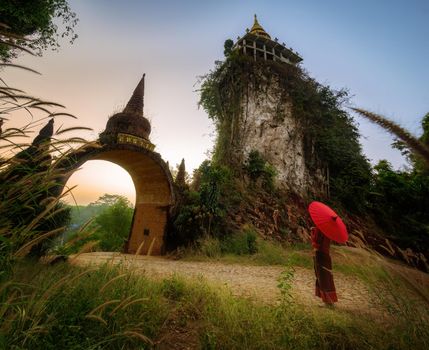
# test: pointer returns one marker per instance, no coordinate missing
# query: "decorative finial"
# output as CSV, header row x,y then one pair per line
x,y
258,30
136,102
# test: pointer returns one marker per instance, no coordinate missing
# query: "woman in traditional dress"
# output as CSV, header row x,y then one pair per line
x,y
325,287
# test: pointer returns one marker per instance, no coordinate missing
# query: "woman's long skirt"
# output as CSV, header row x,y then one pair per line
x,y
325,287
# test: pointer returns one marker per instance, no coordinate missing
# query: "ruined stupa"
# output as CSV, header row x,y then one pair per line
x,y
130,125
265,122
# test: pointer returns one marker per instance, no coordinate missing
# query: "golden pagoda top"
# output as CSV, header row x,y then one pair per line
x,y
258,30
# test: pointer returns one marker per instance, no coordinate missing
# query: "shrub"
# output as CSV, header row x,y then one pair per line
x,y
114,224
258,168
210,247
203,210
240,243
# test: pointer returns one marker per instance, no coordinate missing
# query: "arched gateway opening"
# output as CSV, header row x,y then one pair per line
x,y
125,142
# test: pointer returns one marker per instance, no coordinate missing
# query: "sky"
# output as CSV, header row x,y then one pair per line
x,y
378,50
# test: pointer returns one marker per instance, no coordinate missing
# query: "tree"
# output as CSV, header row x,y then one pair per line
x,y
181,176
114,222
227,46
33,24
108,200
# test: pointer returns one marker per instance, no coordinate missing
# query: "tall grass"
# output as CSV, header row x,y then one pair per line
x,y
70,308
29,173
28,178
64,307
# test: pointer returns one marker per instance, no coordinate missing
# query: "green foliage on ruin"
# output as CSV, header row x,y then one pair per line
x,y
260,170
331,137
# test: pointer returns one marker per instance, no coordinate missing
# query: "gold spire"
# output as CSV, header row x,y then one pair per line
x,y
258,30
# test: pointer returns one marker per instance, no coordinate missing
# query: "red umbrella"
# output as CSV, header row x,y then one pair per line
x,y
328,222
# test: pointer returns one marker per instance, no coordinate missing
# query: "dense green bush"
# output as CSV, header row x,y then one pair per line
x,y
205,206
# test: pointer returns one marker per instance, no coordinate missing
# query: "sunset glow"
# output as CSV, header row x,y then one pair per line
x,y
106,178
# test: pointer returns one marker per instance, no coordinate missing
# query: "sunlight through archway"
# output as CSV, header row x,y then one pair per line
x,y
97,177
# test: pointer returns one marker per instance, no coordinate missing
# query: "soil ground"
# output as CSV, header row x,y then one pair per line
x,y
256,282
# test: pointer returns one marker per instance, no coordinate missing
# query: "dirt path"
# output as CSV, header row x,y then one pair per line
x,y
257,282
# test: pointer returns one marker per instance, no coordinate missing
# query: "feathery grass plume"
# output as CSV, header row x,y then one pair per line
x,y
102,306
136,335
97,318
112,281
413,143
132,302
117,307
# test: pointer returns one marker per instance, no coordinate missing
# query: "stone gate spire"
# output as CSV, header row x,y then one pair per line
x,y
129,126
136,103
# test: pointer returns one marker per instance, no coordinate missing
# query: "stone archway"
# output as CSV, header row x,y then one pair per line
x,y
125,142
154,191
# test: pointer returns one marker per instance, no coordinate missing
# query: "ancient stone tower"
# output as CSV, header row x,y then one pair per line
x,y
266,122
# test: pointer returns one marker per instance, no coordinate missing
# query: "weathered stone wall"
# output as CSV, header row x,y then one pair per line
x,y
268,126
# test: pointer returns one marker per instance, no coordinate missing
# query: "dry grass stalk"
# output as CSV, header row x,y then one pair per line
x,y
136,335
120,304
112,281
412,142
25,249
149,252
88,247
97,318
102,306
139,249
135,301
66,279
